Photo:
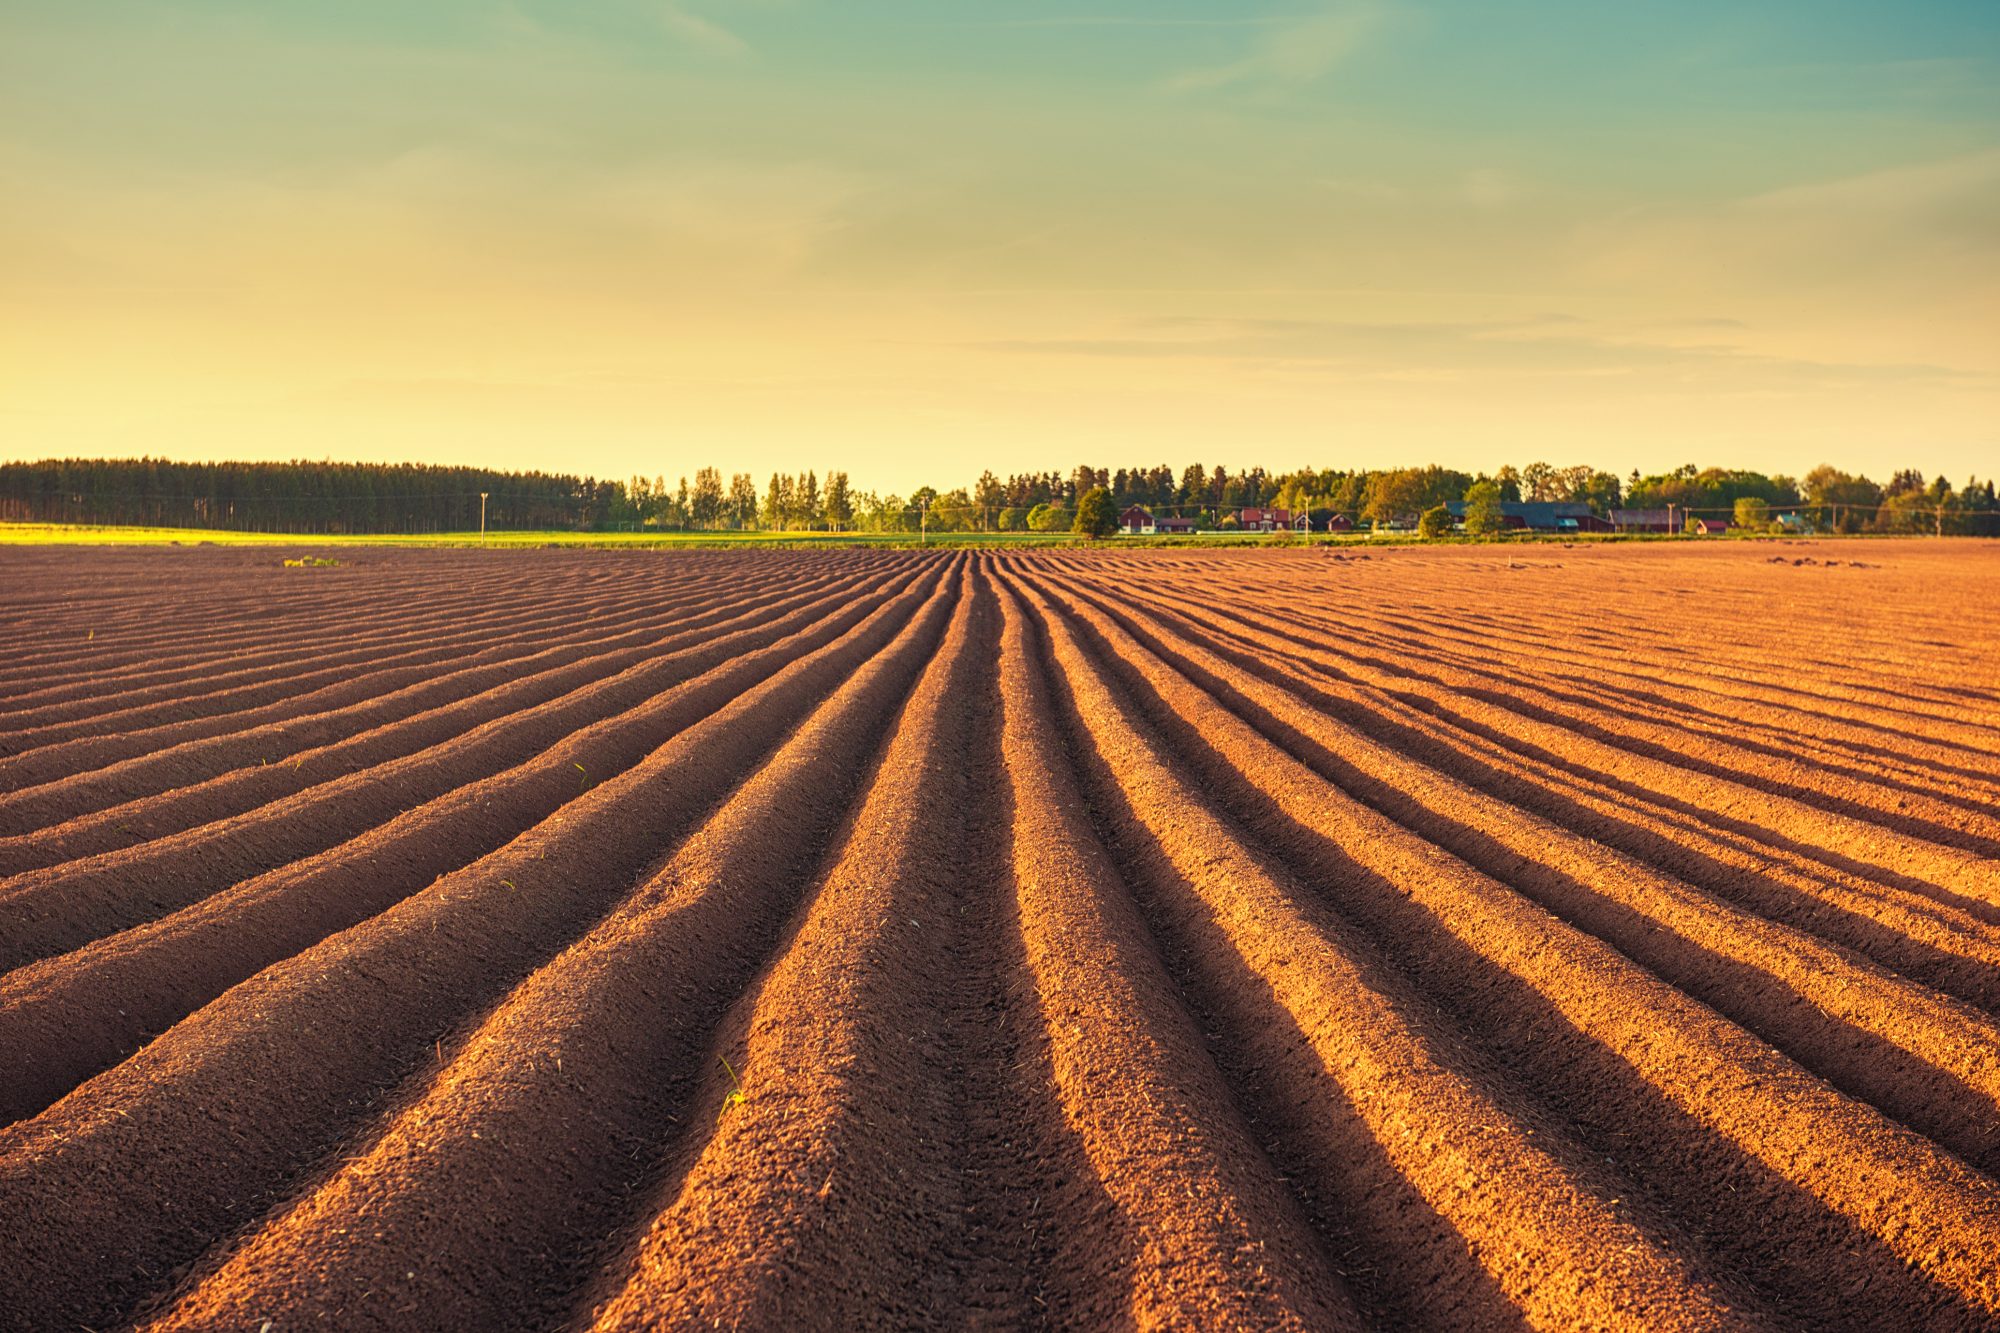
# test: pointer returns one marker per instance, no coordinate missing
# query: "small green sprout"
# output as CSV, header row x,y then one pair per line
x,y
738,1096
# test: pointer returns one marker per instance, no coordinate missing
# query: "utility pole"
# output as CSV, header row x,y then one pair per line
x,y
923,522
482,516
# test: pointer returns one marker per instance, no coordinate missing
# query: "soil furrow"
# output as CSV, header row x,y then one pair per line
x,y
179,749
1930,1063
67,1017
112,808
50,911
1870,851
1927,1216
1921,937
212,688
1931,942
599,1048
1487,1225
254,1088
1373,934
895,1157
1211,1236
267,688
115,680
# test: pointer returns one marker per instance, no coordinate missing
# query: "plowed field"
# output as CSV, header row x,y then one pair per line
x,y
1450,938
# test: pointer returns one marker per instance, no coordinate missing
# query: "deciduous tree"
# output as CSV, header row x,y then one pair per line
x,y
836,505
1096,516
1482,509
742,500
705,506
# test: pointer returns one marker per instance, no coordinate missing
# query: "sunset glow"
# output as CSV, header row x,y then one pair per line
x,y
914,240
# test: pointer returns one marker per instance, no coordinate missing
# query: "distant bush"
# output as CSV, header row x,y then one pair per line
x,y
1048,518
1435,523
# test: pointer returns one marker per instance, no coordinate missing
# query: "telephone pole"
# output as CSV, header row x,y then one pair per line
x,y
482,516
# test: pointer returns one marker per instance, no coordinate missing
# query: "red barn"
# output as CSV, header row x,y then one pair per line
x,y
1265,520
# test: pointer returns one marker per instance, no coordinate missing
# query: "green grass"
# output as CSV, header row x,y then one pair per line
x,y
65,534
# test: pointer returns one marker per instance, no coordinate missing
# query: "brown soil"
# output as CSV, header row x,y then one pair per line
x,y
1581,937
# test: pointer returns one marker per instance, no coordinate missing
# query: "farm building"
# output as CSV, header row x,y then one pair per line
x,y
1540,516
1265,520
1136,521
1643,520
1181,526
1708,527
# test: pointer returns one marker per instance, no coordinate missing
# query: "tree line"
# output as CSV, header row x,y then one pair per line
x,y
299,496
304,496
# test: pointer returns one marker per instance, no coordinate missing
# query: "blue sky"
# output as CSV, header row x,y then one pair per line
x,y
916,239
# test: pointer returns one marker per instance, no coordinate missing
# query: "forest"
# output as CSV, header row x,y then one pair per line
x,y
387,498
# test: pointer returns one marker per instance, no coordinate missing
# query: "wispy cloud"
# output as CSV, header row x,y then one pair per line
x,y
1490,188
698,31
1925,226
1954,188
1296,51
1135,21
1546,345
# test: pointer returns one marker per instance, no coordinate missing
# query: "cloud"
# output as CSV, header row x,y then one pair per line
x,y
1546,345
1489,188
1295,52
1957,192
720,220
698,31
1132,21
1926,226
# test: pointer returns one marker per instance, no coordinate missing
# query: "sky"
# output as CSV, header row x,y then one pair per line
x,y
915,240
